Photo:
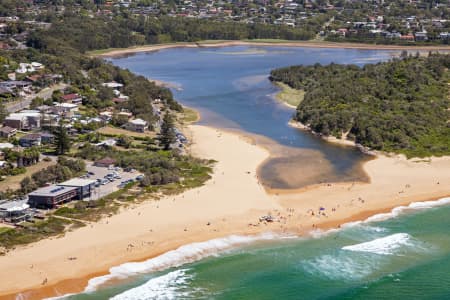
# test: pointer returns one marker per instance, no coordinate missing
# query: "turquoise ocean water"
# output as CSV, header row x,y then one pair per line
x,y
402,255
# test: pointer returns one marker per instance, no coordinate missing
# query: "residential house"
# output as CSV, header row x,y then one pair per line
x,y
6,146
105,162
30,140
7,132
67,109
47,138
24,120
137,125
421,36
15,211
72,98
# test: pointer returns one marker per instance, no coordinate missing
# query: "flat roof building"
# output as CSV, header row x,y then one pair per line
x,y
51,196
85,187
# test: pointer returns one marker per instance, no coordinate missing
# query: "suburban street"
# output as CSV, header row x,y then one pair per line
x,y
44,94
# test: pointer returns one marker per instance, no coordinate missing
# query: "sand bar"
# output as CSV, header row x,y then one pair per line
x,y
306,44
229,202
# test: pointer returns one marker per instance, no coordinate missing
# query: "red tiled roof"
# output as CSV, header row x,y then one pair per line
x,y
70,97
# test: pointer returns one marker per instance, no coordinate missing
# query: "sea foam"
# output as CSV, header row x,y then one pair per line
x,y
414,206
173,285
386,245
184,254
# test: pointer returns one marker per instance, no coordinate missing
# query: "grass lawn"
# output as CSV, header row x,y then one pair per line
x,y
290,96
189,115
113,131
13,182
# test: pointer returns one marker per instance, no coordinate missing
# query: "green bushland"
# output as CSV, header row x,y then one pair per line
x,y
399,106
289,95
33,232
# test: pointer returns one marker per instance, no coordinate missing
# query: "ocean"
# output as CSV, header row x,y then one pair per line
x,y
404,254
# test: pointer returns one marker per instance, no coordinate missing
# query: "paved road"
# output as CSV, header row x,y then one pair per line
x,y
44,94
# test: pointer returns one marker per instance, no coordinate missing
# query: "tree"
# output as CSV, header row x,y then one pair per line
x,y
37,101
62,140
3,113
167,135
27,185
124,141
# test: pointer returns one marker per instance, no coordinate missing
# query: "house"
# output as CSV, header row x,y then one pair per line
x,y
84,187
30,140
7,132
25,68
67,109
444,35
15,211
37,66
15,84
407,37
107,143
113,85
72,98
421,36
50,196
47,138
105,162
24,120
137,125
6,146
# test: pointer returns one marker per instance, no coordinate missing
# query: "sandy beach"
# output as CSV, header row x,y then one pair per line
x,y
305,44
228,203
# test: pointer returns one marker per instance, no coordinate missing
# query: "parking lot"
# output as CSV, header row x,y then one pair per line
x,y
105,187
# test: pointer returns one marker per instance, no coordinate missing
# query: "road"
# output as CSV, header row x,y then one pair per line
x,y
45,93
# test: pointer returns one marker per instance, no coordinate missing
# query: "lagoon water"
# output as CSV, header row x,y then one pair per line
x,y
403,255
230,88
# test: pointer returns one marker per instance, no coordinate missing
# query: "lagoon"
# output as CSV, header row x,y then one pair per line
x,y
229,86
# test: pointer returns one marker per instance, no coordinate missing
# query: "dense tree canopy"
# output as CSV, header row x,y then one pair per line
x,y
399,106
85,33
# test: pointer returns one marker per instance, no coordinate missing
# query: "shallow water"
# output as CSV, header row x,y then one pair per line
x,y
230,87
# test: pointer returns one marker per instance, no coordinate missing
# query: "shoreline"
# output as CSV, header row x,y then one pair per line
x,y
179,220
111,53
333,139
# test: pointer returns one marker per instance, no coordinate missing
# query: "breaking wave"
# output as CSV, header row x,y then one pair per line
x,y
173,285
184,254
387,245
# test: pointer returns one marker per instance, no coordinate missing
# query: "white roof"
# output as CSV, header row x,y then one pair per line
x,y
77,182
67,105
24,114
11,206
6,146
138,122
112,84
